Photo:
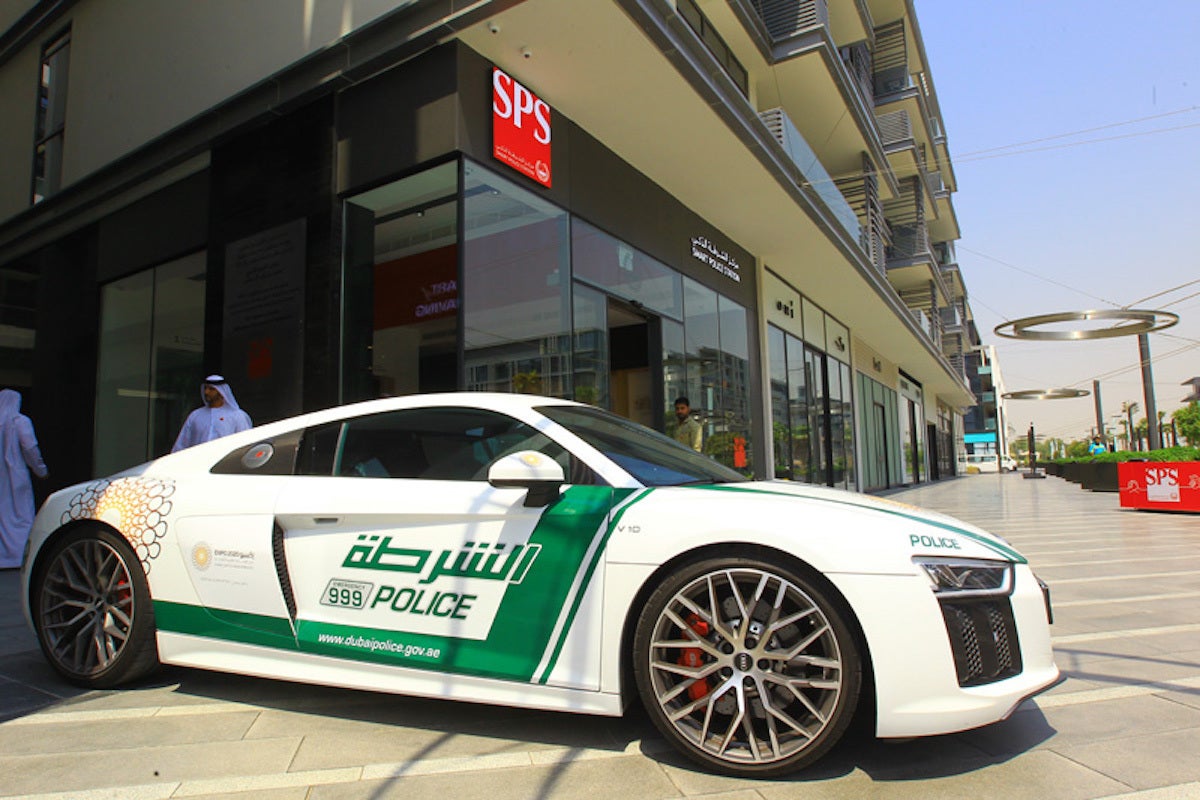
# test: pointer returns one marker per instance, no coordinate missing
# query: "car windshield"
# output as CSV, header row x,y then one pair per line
x,y
650,457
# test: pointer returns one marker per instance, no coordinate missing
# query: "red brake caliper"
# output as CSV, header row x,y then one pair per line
x,y
694,657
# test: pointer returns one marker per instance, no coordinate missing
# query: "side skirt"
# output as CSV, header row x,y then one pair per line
x,y
264,662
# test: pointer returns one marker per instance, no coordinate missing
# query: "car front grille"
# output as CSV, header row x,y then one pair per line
x,y
983,637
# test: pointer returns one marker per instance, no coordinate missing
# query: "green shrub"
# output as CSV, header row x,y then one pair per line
x,y
1165,454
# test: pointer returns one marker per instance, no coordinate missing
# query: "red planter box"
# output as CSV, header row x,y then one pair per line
x,y
1166,486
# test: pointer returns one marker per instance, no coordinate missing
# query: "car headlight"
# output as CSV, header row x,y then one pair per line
x,y
966,577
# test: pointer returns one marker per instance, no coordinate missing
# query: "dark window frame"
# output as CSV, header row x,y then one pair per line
x,y
44,136
712,40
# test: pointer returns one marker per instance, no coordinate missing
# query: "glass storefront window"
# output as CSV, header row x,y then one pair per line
x,y
837,430
848,423
517,284
801,458
401,287
735,377
674,365
458,265
623,271
702,340
718,373
591,347
812,411
151,354
781,434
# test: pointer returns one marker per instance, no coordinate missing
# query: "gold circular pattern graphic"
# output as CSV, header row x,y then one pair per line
x,y
137,507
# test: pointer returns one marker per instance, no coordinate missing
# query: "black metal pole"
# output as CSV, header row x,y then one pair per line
x,y
1099,414
1153,441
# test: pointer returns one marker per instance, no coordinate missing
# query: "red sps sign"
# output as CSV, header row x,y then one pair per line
x,y
1166,486
520,128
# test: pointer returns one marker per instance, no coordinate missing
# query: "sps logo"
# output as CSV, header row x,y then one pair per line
x,y
521,129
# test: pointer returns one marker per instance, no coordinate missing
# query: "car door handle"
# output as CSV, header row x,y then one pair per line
x,y
326,520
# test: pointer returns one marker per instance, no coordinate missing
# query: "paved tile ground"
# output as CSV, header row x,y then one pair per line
x,y
1124,724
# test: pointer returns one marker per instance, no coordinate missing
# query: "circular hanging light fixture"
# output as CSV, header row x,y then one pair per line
x,y
1045,394
1130,322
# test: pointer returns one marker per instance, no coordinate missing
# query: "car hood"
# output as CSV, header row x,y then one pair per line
x,y
897,511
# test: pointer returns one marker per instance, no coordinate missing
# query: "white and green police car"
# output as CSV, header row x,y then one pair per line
x,y
535,552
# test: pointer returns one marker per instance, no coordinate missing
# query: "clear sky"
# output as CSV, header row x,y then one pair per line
x,y
1074,129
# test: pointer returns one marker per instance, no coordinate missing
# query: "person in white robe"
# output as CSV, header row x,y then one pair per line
x,y
19,448
219,416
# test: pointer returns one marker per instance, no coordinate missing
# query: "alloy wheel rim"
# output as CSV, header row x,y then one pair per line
x,y
87,607
745,666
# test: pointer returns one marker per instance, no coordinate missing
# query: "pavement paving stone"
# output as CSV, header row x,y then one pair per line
x,y
81,737
1147,669
18,699
334,742
629,778
1083,723
1183,791
1036,776
1188,697
290,793
20,775
1143,761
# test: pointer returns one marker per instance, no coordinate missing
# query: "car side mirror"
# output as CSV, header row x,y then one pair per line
x,y
541,475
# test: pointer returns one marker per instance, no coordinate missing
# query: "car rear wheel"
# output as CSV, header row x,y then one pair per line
x,y
748,668
92,611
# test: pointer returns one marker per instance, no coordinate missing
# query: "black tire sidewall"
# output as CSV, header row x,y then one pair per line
x,y
825,598
139,653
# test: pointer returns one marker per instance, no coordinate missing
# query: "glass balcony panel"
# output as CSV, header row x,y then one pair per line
x,y
811,169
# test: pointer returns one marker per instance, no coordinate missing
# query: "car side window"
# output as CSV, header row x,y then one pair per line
x,y
454,444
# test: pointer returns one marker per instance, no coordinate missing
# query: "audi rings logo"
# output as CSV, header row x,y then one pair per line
x,y
202,556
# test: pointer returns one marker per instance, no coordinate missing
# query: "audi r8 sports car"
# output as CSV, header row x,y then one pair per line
x,y
536,552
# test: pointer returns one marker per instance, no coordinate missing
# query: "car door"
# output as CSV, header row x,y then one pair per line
x,y
398,551
223,529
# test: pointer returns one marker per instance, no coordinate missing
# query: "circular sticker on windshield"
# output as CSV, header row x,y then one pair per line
x,y
258,455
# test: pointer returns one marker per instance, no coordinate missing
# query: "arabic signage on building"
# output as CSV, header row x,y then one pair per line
x,y
520,128
722,261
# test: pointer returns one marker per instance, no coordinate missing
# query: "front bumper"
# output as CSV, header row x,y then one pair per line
x,y
917,685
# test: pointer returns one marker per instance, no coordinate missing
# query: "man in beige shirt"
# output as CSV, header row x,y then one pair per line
x,y
687,429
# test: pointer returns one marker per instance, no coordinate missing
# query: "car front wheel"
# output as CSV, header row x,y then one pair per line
x,y
748,668
92,611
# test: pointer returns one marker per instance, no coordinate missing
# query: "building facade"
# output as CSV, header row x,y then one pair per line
x,y
747,202
986,428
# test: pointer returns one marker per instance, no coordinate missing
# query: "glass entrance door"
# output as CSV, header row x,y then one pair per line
x,y
635,364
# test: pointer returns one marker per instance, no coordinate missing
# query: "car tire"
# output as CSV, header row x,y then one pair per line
x,y
748,668
91,608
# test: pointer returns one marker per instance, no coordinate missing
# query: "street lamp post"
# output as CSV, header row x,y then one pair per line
x,y
1153,442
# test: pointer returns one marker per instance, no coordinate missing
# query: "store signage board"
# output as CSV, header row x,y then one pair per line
x,y
521,130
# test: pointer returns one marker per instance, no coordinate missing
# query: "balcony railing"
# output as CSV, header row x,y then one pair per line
x,y
895,127
811,170
933,180
862,193
786,18
857,60
891,59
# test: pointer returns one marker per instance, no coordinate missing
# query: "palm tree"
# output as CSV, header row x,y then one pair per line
x,y
1127,409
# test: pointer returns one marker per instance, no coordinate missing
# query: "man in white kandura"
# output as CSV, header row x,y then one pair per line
x,y
219,416
19,455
